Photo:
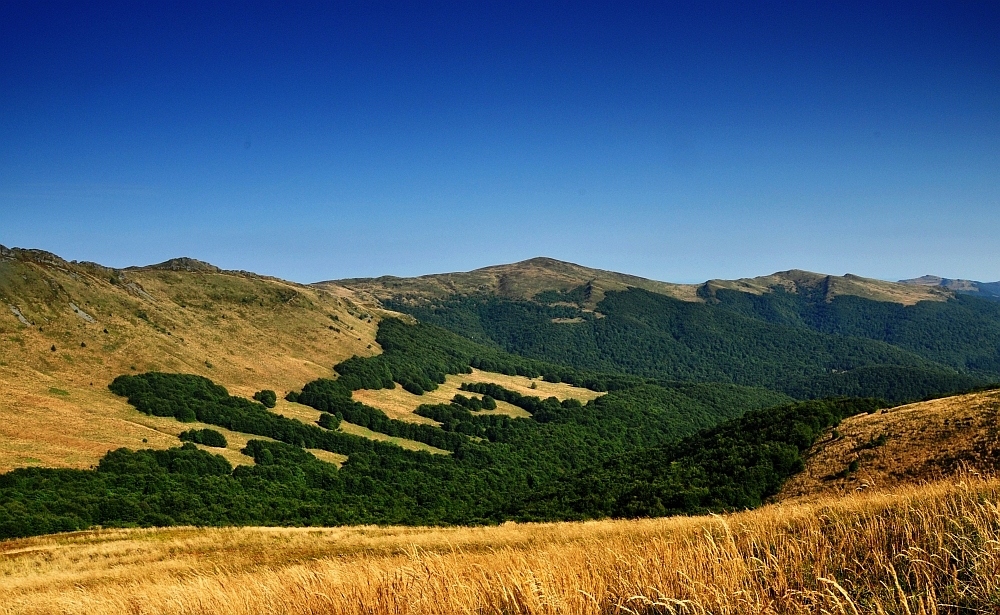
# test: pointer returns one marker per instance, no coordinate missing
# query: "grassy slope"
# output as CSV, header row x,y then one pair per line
x,y
243,331
919,442
892,552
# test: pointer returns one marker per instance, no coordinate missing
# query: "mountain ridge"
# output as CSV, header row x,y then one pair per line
x,y
971,287
526,279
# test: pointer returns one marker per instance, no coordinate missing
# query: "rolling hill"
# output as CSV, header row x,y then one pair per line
x,y
911,444
67,329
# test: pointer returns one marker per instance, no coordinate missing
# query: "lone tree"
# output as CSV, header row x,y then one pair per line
x,y
267,397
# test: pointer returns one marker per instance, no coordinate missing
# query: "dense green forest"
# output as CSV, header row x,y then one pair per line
x,y
796,343
735,465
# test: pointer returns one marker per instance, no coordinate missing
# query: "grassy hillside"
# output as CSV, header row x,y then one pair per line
x,y
244,331
927,549
908,444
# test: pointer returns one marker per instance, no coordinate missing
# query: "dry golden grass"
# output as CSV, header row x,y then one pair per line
x,y
400,404
242,331
921,442
335,458
918,550
311,415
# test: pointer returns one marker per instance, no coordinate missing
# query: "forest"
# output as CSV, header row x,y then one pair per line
x,y
799,344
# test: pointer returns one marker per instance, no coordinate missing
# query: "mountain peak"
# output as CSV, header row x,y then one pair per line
x,y
924,280
520,280
183,263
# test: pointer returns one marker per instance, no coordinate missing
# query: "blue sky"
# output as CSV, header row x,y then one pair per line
x,y
679,141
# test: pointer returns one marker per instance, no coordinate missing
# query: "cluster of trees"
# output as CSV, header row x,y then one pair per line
x,y
735,465
456,418
542,410
207,437
475,404
267,397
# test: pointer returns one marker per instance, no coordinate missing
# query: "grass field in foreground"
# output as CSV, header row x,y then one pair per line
x,y
921,549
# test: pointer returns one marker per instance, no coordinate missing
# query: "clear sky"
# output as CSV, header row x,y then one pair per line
x,y
676,140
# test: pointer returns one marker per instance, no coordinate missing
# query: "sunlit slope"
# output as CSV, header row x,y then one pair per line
x,y
67,329
907,444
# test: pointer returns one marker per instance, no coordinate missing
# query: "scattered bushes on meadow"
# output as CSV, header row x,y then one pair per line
x,y
267,397
207,437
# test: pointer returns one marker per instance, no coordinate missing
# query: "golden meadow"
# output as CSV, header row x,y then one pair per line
x,y
933,548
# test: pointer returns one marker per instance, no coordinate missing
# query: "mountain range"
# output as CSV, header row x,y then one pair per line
x,y
803,333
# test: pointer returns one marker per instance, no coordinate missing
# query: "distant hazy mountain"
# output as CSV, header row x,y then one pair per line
x,y
989,290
